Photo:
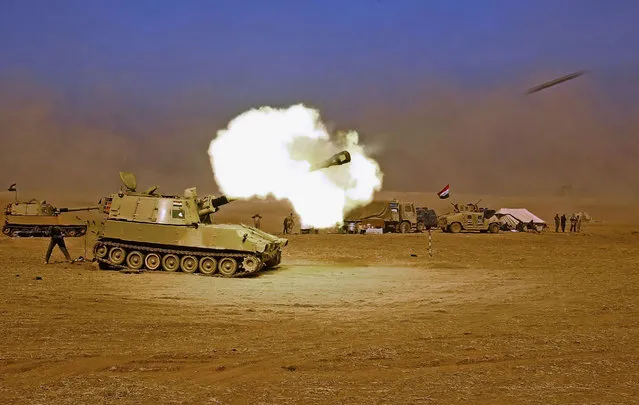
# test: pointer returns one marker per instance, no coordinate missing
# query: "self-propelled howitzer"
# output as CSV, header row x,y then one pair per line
x,y
35,218
149,230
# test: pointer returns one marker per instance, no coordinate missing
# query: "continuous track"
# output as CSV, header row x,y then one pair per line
x,y
41,231
153,258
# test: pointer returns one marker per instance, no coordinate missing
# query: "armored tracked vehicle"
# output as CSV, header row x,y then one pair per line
x,y
34,218
469,218
168,232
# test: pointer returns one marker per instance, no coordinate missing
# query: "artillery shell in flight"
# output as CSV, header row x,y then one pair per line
x,y
555,82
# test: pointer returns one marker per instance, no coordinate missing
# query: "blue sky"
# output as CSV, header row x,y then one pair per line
x,y
148,52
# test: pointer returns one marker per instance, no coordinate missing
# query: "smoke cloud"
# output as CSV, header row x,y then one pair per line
x,y
269,152
489,141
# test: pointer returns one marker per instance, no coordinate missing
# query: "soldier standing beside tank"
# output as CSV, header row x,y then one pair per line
x,y
563,222
557,222
257,220
57,238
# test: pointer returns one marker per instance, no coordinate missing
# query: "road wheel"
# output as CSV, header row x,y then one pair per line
x,y
152,261
227,266
72,233
6,230
135,260
170,262
207,265
188,264
404,227
251,264
100,250
117,255
455,227
493,228
13,233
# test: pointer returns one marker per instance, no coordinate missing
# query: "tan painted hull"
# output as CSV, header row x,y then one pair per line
x,y
38,225
204,240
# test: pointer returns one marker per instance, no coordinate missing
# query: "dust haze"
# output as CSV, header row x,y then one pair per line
x,y
495,142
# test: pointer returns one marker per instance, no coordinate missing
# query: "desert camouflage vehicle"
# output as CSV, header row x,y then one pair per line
x,y
34,218
169,232
469,217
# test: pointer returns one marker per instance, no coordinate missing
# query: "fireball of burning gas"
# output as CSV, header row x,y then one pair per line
x,y
271,152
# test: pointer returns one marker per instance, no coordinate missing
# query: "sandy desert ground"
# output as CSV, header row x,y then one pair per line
x,y
507,318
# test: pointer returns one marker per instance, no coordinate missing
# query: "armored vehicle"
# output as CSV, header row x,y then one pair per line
x,y
34,218
171,232
391,216
469,217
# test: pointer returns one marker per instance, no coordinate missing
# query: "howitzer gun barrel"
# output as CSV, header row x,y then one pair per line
x,y
214,204
337,159
78,209
220,201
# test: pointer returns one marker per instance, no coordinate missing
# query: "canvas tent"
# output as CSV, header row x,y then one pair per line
x,y
515,218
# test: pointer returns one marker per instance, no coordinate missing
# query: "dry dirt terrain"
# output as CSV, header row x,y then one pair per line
x,y
346,319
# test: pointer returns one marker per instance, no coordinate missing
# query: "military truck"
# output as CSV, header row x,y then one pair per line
x,y
391,216
469,217
34,218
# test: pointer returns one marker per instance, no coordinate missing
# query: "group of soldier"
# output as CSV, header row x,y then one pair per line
x,y
575,223
289,222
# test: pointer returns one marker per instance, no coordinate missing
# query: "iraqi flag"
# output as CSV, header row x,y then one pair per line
x,y
445,193
12,187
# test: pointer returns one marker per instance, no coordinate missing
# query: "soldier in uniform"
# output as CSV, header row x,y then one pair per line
x,y
563,222
557,222
257,220
573,223
57,238
291,223
579,223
